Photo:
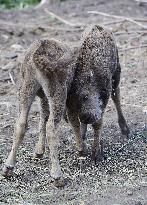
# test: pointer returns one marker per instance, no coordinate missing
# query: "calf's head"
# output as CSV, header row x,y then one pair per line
x,y
91,97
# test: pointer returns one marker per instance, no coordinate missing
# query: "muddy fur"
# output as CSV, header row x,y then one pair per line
x,y
81,79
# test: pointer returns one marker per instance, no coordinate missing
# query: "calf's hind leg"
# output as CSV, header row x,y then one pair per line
x,y
121,120
116,99
44,115
26,97
57,103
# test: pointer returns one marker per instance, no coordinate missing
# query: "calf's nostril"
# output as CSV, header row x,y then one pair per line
x,y
87,119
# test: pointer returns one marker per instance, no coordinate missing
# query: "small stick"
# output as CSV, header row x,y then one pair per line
x,y
41,4
123,20
114,22
6,126
130,32
62,20
12,80
120,17
31,26
131,39
141,20
141,1
133,47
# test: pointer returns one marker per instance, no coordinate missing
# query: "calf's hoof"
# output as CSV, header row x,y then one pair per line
x,y
7,171
98,156
124,127
59,182
83,152
39,151
38,156
125,131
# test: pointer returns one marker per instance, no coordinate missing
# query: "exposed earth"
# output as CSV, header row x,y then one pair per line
x,y
121,179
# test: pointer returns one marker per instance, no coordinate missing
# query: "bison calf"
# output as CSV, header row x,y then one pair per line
x,y
47,72
96,77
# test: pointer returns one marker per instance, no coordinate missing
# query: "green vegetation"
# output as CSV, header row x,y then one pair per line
x,y
8,4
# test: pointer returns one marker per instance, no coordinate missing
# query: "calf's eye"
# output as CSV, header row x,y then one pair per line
x,y
88,79
104,93
85,98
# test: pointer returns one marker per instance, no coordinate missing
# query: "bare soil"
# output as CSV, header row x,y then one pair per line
x,y
121,179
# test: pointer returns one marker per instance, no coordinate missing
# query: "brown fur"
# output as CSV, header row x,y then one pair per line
x,y
47,71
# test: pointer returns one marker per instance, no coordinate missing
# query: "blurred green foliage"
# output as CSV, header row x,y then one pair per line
x,y
8,4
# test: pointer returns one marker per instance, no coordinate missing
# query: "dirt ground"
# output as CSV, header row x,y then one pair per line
x,y
121,179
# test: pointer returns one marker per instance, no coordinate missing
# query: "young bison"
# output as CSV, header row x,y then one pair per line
x,y
47,72
81,81
96,77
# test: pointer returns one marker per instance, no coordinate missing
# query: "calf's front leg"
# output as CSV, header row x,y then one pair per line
x,y
97,150
121,120
78,131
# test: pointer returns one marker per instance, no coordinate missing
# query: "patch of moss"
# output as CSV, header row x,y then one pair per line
x,y
9,4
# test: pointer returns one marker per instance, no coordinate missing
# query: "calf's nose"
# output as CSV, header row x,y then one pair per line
x,y
89,118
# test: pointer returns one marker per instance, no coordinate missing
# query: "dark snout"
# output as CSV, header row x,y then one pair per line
x,y
89,118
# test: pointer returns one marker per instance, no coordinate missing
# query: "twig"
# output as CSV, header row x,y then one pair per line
x,y
12,80
3,79
118,17
31,26
63,20
130,32
141,1
141,20
114,22
133,47
41,4
122,21
127,45
6,126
